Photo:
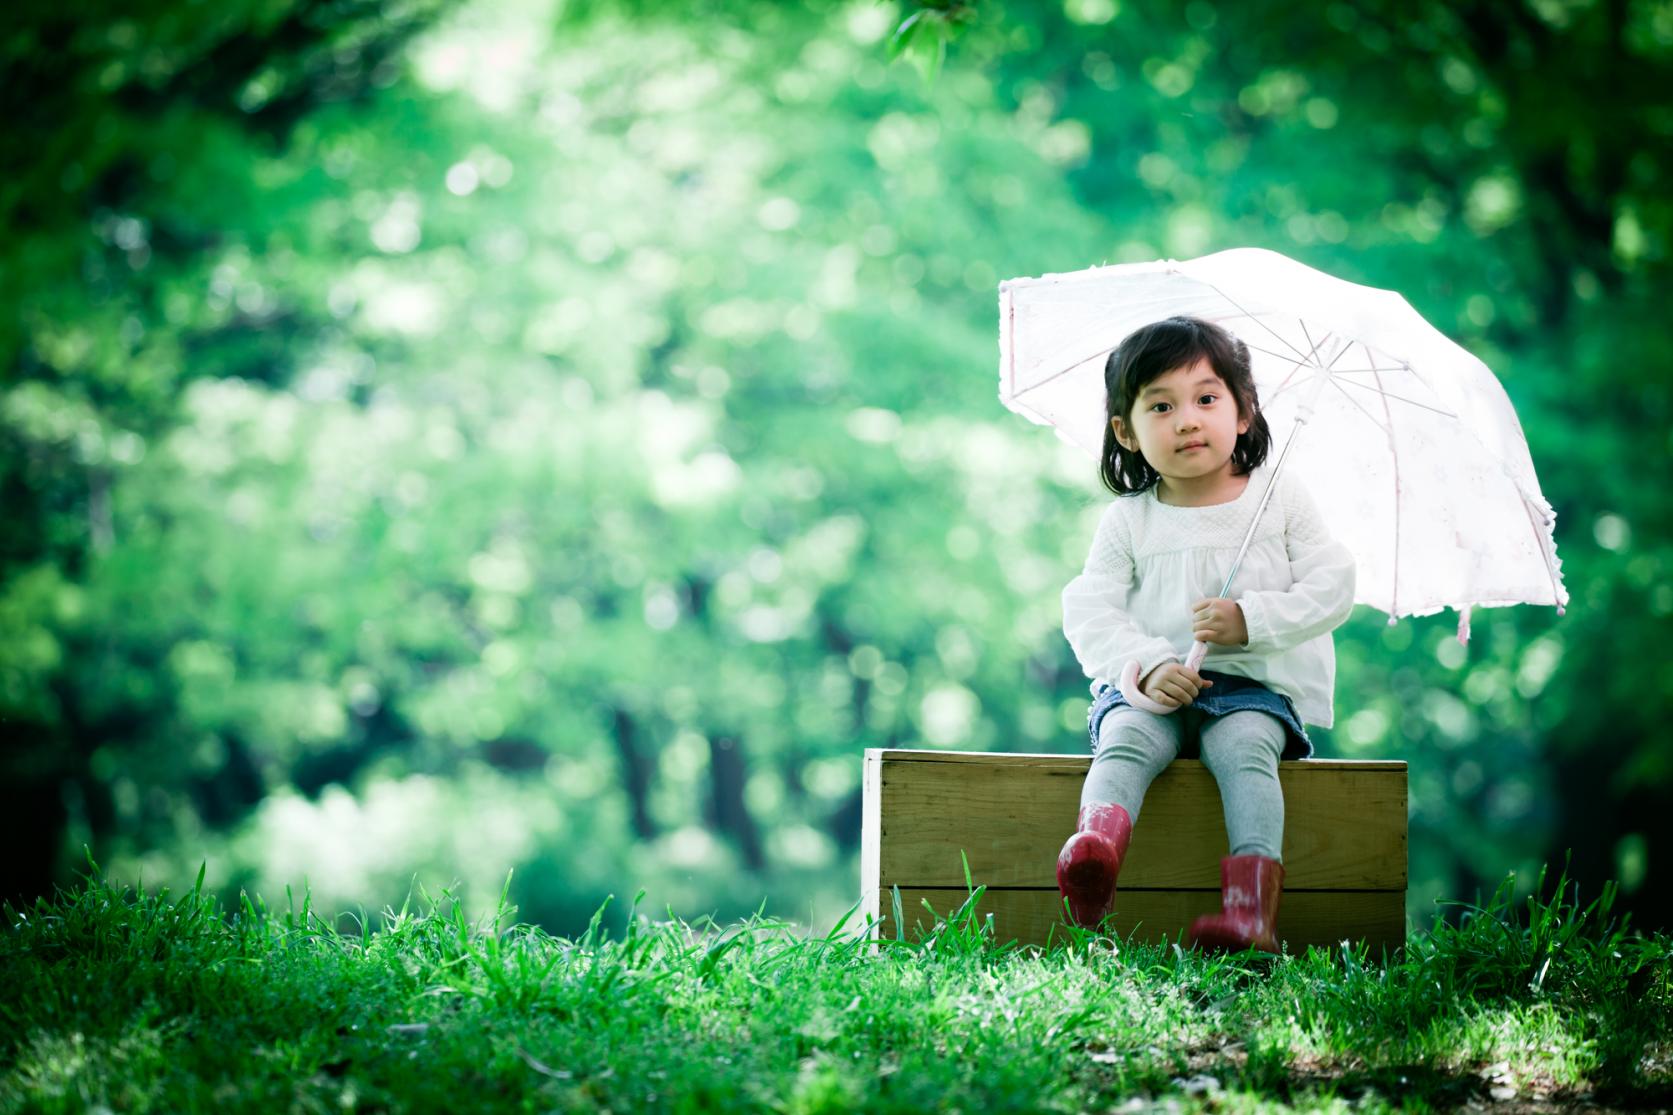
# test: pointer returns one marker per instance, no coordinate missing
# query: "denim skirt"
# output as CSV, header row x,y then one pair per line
x,y
1230,693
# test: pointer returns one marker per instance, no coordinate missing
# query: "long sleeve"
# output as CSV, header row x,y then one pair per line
x,y
1096,620
1323,592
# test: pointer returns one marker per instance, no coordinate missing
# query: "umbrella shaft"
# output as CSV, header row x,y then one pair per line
x,y
1266,497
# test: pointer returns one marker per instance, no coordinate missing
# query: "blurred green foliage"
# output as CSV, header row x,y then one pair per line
x,y
559,437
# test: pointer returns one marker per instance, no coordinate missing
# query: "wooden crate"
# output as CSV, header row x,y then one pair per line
x,y
1344,845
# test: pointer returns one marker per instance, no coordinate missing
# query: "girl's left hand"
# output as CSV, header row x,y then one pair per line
x,y
1219,621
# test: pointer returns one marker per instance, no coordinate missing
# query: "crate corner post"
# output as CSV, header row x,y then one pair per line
x,y
872,906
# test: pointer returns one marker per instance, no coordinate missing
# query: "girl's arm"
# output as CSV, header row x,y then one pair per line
x,y
1323,592
1104,635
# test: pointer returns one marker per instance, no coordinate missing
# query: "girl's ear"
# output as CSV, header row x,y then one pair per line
x,y
1122,436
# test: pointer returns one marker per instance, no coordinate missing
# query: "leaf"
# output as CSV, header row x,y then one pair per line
x,y
904,34
922,40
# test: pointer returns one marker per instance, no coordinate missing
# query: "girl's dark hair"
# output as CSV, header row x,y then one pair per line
x,y
1154,350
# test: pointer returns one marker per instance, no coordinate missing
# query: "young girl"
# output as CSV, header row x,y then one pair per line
x,y
1185,451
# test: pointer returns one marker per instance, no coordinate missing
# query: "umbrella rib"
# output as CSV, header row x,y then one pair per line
x,y
1253,317
1039,419
1539,541
1295,365
1299,364
1402,367
1301,358
1072,365
1011,338
1286,385
1078,362
1269,352
1394,451
1055,375
1369,416
1311,353
1400,398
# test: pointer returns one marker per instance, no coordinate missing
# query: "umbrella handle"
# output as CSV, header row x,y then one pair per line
x,y
1130,690
1135,697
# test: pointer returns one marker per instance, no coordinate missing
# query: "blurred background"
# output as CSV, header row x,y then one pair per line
x,y
442,440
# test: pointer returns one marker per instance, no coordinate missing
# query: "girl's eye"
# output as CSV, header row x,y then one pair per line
x,y
1157,406
1205,397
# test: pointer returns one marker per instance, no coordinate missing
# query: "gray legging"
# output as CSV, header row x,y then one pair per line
x,y
1240,749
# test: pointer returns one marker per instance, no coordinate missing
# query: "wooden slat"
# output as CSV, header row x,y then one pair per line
x,y
1345,821
1305,918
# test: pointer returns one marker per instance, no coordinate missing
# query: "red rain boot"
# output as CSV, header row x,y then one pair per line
x,y
1250,887
1090,861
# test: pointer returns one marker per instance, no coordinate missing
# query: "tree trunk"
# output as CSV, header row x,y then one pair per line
x,y
636,774
728,772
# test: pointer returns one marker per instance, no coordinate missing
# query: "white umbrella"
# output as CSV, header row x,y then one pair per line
x,y
1407,443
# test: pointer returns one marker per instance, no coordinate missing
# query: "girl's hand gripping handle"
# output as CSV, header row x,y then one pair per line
x,y
1130,690
1199,651
1139,699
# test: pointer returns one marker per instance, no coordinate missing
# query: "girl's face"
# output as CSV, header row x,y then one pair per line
x,y
1185,423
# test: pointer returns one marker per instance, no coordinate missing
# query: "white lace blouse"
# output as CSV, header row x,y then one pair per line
x,y
1150,560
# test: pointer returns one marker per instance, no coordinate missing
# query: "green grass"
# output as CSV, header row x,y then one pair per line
x,y
134,1002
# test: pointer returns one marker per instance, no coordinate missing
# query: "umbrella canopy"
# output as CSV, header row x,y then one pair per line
x,y
1410,447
